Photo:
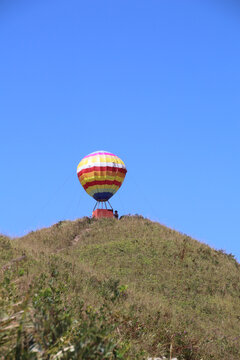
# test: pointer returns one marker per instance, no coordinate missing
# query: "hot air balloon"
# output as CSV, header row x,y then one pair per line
x,y
101,174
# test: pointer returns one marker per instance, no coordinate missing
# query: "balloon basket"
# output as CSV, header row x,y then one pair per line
x,y
100,212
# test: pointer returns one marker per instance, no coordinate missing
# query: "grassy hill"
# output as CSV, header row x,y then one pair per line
x,y
108,289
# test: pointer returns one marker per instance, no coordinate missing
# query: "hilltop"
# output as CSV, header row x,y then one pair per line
x,y
108,289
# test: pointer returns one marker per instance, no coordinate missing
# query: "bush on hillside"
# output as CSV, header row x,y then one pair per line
x,y
44,325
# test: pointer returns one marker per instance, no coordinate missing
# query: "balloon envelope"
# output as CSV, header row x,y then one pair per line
x,y
101,174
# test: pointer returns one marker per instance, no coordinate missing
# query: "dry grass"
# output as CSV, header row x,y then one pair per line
x,y
164,289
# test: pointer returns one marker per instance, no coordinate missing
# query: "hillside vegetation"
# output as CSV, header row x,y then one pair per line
x,y
108,289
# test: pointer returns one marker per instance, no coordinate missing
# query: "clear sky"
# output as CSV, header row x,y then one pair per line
x,y
157,82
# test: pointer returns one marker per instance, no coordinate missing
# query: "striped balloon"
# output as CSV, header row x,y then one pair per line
x,y
101,174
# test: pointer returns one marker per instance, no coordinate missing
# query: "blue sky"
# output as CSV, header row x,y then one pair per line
x,y
155,82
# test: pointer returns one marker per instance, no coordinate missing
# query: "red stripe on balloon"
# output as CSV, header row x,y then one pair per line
x,y
102,182
102,168
97,175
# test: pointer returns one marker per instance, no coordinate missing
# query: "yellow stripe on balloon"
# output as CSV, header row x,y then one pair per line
x,y
98,159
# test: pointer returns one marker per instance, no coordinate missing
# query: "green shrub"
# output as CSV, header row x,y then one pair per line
x,y
47,326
